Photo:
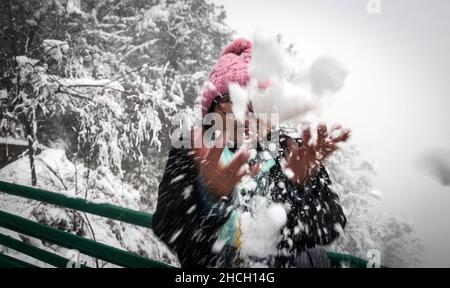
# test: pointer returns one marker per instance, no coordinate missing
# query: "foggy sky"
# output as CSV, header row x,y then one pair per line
x,y
396,97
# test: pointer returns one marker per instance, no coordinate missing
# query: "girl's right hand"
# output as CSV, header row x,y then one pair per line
x,y
221,179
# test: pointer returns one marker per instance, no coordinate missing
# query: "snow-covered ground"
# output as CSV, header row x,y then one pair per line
x,y
56,173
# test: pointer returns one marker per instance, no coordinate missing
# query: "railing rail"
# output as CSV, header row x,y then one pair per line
x,y
11,262
37,253
72,241
101,209
86,246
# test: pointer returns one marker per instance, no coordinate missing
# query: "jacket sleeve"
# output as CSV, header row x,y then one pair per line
x,y
188,216
315,215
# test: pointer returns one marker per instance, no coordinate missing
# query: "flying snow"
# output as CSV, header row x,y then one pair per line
x,y
279,85
260,229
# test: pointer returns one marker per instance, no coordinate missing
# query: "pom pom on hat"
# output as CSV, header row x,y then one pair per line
x,y
232,67
237,47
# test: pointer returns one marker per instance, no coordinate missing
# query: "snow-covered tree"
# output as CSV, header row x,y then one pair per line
x,y
101,80
105,77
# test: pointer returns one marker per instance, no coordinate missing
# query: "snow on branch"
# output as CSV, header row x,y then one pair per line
x,y
88,82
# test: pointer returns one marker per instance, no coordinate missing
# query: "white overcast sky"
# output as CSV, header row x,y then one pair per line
x,y
397,96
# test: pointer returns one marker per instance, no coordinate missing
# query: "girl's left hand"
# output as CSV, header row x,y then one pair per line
x,y
304,160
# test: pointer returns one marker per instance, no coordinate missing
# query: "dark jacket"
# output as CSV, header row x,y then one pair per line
x,y
188,216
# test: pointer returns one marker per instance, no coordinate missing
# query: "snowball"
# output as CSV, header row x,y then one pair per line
x,y
277,215
239,98
282,97
269,60
289,173
327,74
272,147
261,230
248,183
277,86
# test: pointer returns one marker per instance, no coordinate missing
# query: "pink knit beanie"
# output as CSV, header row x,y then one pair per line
x,y
232,67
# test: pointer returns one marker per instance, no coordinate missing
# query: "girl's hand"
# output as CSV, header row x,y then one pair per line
x,y
305,160
221,179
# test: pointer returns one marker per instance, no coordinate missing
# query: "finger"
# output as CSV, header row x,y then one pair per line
x,y
315,168
332,145
294,151
322,133
334,129
293,147
244,172
306,136
216,151
344,136
255,169
238,160
326,150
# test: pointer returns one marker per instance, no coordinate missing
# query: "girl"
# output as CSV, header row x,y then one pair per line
x,y
202,193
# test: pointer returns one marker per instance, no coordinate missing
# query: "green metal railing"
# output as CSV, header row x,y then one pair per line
x,y
71,241
58,199
68,240
339,260
8,261
37,253
83,245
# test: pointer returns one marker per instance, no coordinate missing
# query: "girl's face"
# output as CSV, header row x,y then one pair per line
x,y
247,130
